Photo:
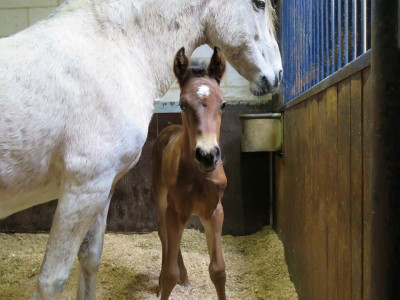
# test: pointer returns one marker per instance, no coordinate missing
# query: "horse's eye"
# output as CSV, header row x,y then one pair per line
x,y
183,107
223,105
260,4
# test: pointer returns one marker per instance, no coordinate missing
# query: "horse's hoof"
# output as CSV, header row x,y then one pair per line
x,y
186,284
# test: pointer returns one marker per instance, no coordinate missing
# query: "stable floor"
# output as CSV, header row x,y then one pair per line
x,y
255,266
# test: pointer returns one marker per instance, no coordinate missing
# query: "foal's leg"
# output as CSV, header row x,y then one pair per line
x,y
175,225
162,233
90,256
213,229
183,276
77,208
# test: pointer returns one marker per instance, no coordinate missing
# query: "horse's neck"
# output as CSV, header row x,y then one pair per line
x,y
158,29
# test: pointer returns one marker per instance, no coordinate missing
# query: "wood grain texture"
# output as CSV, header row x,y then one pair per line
x,y
314,189
356,186
324,207
344,189
321,198
332,193
367,158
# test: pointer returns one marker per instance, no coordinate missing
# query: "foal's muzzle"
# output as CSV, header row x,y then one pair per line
x,y
207,161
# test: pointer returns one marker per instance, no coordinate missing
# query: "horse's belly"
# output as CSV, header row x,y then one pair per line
x,y
12,203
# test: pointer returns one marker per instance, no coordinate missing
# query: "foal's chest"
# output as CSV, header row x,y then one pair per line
x,y
199,195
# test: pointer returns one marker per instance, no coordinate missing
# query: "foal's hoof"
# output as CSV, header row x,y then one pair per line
x,y
185,283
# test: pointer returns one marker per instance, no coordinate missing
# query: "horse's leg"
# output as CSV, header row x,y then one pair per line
x,y
213,229
183,277
77,208
90,255
170,269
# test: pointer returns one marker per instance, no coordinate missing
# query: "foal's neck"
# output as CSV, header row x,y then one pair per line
x,y
187,151
158,29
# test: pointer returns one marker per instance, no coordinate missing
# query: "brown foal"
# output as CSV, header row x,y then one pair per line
x,y
188,176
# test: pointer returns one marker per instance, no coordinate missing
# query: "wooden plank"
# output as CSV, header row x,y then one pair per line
x,y
356,186
344,205
367,207
321,197
288,198
296,206
332,195
301,197
314,188
308,161
279,166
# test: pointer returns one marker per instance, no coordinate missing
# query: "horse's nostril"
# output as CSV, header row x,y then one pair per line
x,y
264,79
217,153
280,75
266,83
199,154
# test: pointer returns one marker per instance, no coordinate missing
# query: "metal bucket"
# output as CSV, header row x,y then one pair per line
x,y
261,132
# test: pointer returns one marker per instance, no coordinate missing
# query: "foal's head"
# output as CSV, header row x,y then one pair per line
x,y
202,103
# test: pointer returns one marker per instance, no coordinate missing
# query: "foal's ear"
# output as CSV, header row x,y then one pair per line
x,y
181,63
216,68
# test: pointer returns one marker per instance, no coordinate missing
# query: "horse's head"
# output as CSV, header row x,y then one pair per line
x,y
244,30
202,103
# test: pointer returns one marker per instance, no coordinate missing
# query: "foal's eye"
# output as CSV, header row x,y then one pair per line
x,y
183,107
260,4
223,105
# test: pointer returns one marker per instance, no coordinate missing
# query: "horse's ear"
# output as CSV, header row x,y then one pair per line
x,y
216,68
181,64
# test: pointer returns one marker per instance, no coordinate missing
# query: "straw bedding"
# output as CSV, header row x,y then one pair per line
x,y
130,267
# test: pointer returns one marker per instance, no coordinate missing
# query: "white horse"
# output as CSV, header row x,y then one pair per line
x,y
76,98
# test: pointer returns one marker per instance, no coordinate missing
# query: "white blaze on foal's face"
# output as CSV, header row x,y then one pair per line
x,y
203,91
207,142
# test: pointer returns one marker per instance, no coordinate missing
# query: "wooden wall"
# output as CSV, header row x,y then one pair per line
x,y
322,191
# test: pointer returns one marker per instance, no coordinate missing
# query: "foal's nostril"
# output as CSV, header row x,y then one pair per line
x,y
280,75
200,154
216,153
208,158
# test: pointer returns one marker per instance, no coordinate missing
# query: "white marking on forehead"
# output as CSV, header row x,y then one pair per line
x,y
203,91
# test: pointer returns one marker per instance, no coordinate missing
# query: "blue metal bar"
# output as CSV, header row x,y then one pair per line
x,y
319,37
354,27
327,36
309,44
339,34
332,46
321,43
363,27
346,32
368,17
313,42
